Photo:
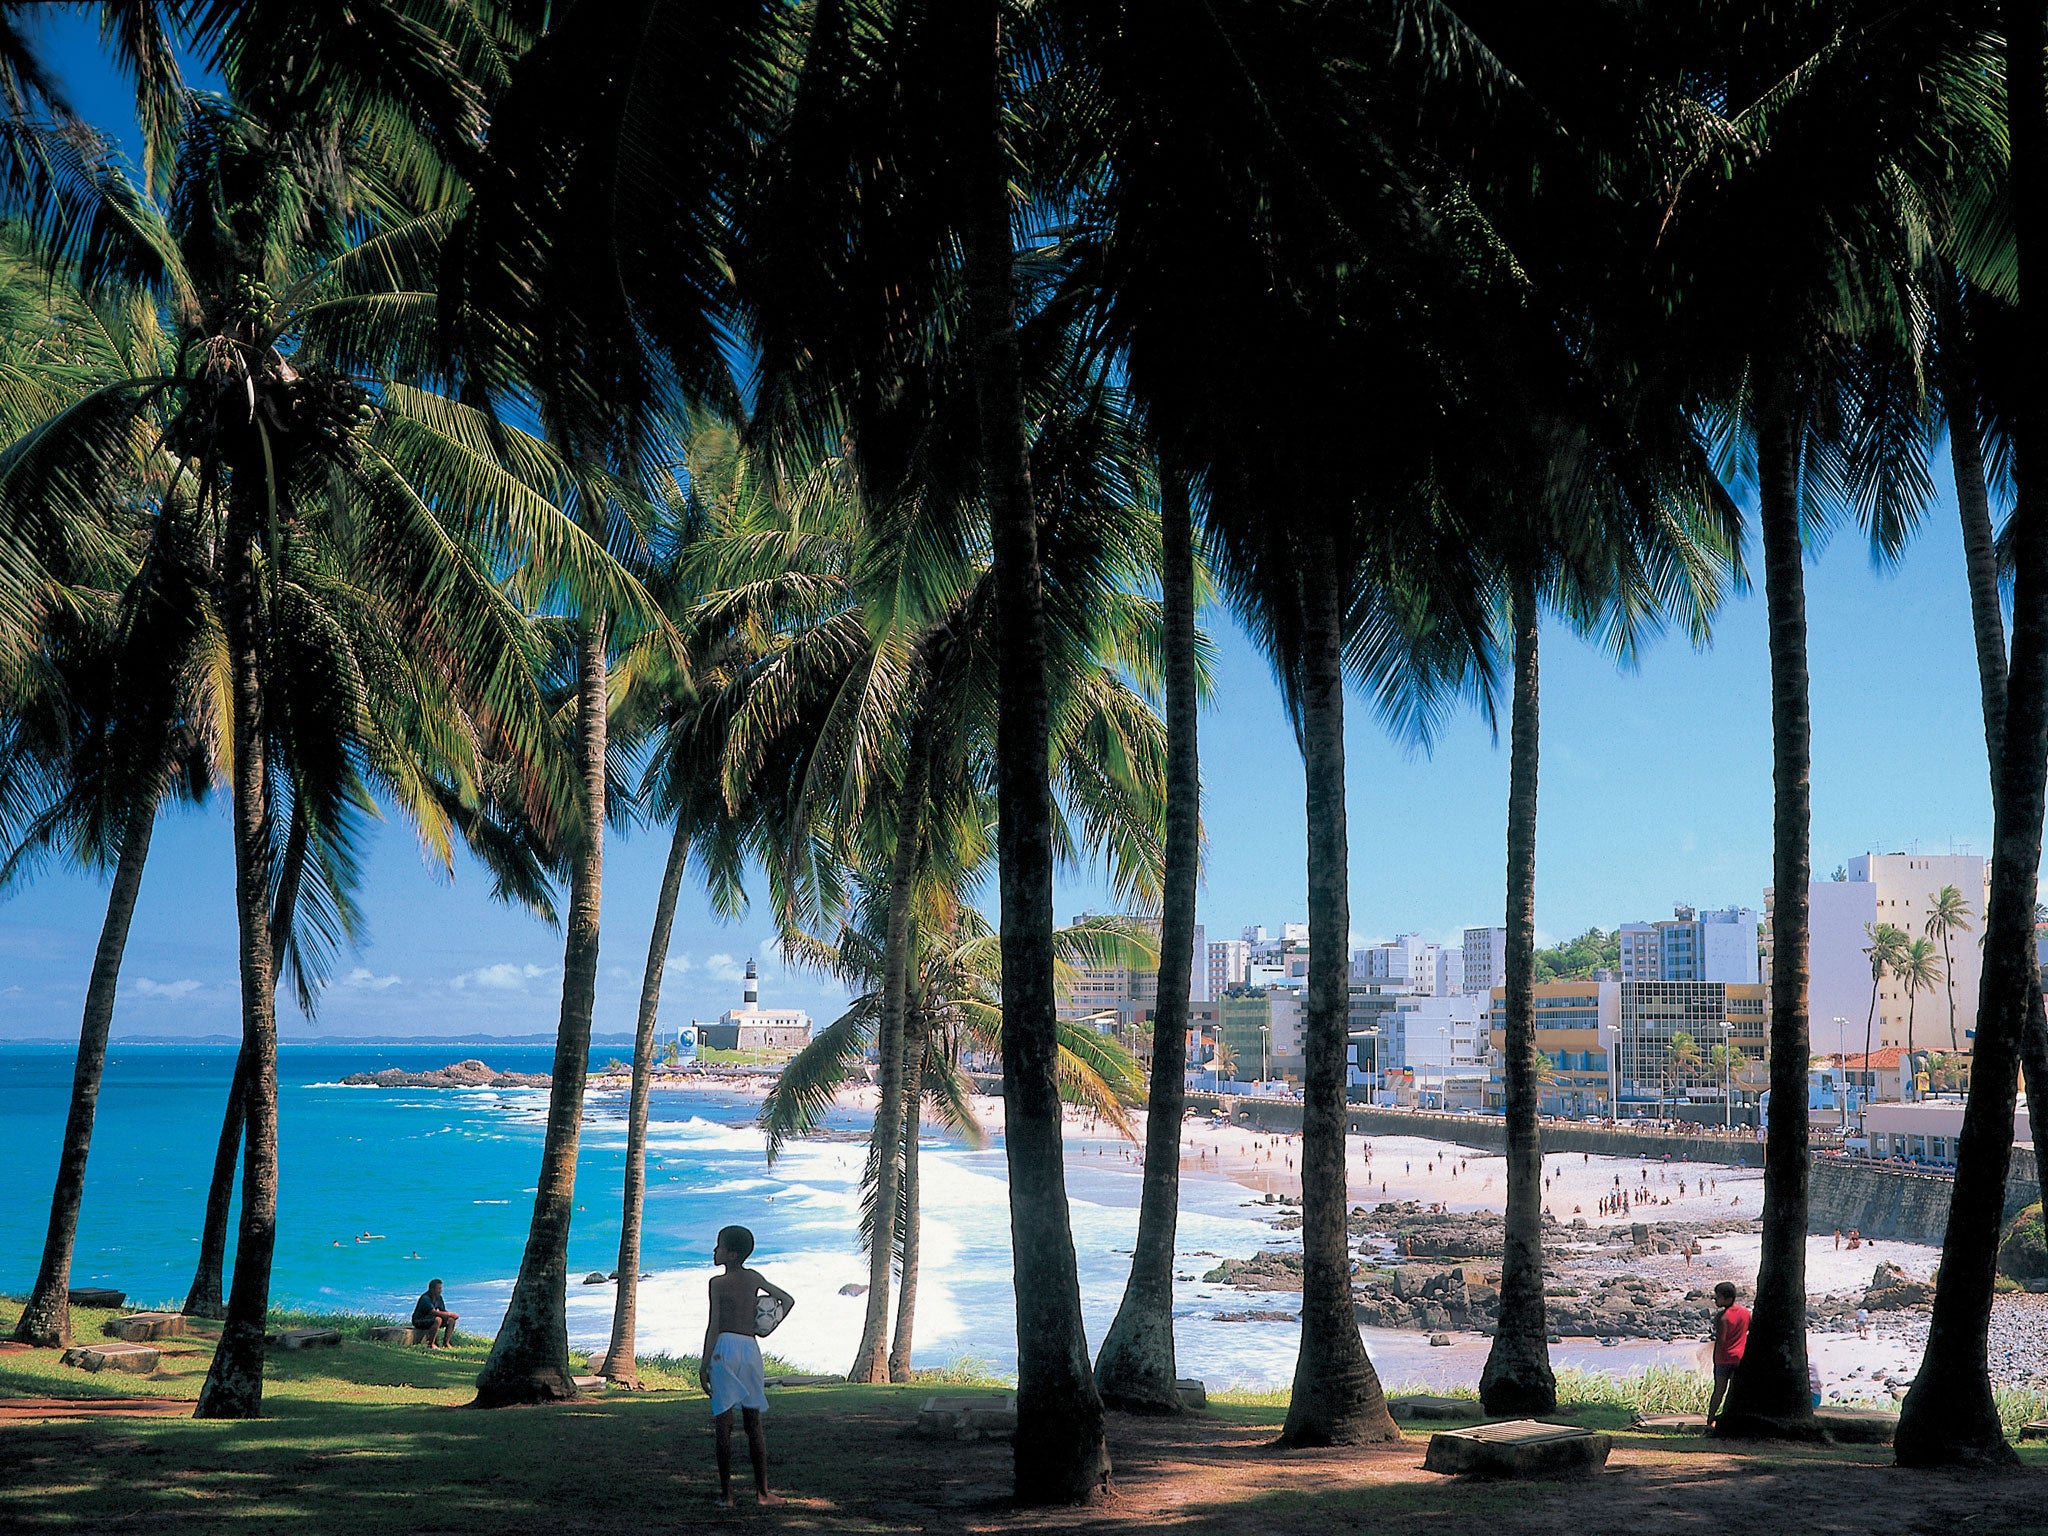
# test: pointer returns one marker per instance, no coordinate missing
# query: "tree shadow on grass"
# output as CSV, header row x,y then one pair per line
x,y
627,1462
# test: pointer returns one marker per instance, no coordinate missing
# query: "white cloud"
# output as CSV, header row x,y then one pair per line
x,y
680,965
369,981
724,968
502,977
173,990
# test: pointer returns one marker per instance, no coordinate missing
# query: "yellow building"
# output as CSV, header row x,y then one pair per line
x,y
1575,1028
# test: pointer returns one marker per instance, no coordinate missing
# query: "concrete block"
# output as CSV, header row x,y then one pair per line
x,y
968,1418
590,1383
1858,1426
1420,1405
135,1359
398,1333
307,1338
2037,1429
141,1327
1193,1394
1518,1448
90,1296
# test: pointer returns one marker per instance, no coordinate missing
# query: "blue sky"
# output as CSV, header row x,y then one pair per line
x,y
1655,789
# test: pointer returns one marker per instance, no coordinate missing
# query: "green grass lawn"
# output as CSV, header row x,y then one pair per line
x,y
376,1438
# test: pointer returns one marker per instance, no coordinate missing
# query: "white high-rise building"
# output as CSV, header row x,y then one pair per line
x,y
1450,971
1227,961
1486,960
1198,978
1894,888
1409,961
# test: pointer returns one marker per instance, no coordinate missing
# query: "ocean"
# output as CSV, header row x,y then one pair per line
x,y
382,1189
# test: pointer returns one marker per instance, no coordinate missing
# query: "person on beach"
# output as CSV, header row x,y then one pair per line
x,y
730,1367
431,1313
1731,1337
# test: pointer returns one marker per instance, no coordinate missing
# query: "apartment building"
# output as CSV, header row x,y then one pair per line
x,y
1486,960
1227,961
1692,945
1895,888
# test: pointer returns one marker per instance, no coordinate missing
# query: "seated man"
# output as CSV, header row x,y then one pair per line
x,y
431,1313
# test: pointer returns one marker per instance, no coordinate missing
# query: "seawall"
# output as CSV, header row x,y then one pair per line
x,y
1899,1203
1490,1132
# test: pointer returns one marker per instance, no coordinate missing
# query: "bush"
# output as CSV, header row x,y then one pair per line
x,y
2023,1252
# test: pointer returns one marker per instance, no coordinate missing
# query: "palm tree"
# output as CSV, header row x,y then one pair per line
x,y
1949,1417
1135,1368
1917,970
1975,367
1887,947
1745,104
104,717
429,495
1948,913
954,1002
1682,1061
868,721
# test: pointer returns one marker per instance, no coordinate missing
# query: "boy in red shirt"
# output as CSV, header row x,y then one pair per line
x,y
1731,1336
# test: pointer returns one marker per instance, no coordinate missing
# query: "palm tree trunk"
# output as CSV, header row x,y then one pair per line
x,y
1517,1379
620,1357
1337,1398
1059,1455
1980,547
1770,1396
529,1360
1947,964
234,1382
1987,624
203,1299
1136,1369
871,1359
1869,1019
1949,1416
46,1316
906,1292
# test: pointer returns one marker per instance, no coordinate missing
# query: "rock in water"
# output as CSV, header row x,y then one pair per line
x,y
461,1074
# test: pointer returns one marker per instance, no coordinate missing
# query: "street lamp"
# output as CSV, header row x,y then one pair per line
x,y
1265,1041
1727,1076
1842,1069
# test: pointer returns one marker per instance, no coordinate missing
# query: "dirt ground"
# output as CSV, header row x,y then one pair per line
x,y
845,1460
1201,1476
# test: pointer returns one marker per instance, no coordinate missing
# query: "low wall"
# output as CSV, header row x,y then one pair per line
x,y
1899,1203
1490,1131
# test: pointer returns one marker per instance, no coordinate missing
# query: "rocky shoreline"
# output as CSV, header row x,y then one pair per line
x,y
1395,1284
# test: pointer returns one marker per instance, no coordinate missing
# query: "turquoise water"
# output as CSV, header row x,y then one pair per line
x,y
448,1175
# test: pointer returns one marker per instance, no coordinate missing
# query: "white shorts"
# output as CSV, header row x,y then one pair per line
x,y
736,1380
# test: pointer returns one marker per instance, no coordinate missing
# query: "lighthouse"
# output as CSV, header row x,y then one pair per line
x,y
750,1027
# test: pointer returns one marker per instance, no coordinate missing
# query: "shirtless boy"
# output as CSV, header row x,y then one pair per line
x,y
731,1368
